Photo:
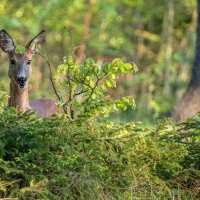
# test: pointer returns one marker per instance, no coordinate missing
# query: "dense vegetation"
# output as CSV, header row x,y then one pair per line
x,y
83,155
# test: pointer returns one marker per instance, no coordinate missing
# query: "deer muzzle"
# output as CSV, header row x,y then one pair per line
x,y
21,81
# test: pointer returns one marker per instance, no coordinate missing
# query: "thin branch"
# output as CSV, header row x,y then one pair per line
x,y
50,73
97,82
98,79
71,40
81,92
70,92
83,83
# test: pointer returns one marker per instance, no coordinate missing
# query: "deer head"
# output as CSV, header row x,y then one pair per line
x,y
20,63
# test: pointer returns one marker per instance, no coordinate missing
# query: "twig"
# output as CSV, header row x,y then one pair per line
x,y
68,73
97,81
71,40
50,73
50,76
81,92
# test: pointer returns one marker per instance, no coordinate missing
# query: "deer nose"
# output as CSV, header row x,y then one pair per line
x,y
21,81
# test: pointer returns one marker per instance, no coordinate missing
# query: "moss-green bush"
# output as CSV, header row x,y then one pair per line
x,y
85,159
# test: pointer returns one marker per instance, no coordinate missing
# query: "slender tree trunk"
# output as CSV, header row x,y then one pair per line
x,y
169,46
189,105
86,26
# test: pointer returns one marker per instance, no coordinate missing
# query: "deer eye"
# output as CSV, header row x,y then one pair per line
x,y
12,62
29,62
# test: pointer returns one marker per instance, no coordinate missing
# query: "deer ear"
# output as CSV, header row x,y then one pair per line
x,y
37,40
6,42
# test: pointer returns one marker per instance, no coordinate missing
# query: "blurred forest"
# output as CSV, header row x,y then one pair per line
x,y
159,36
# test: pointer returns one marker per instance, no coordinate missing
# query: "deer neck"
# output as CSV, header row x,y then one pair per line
x,y
18,98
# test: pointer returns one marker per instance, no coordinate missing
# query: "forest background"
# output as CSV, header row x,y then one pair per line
x,y
158,36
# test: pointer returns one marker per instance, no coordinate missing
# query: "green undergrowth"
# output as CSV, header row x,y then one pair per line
x,y
83,155
92,158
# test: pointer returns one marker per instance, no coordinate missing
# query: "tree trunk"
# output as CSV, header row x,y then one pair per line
x,y
189,105
86,26
169,46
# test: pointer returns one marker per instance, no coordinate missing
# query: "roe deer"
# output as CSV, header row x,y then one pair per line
x,y
20,71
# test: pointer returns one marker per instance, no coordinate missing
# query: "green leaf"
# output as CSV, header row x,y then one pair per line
x,y
107,67
197,118
110,83
117,62
70,60
31,45
65,59
91,83
38,47
20,49
62,69
90,61
112,76
45,58
128,66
